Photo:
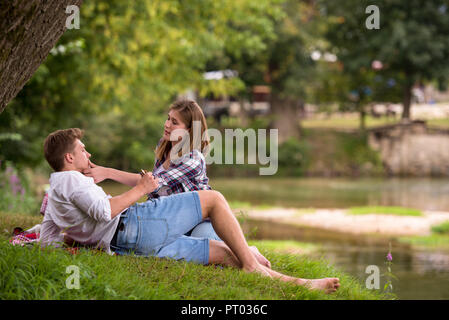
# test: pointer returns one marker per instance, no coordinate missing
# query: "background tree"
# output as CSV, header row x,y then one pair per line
x,y
118,73
352,90
28,31
412,42
285,65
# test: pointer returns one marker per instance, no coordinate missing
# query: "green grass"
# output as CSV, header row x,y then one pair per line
x,y
438,239
33,273
397,211
243,206
433,241
439,123
285,246
247,205
337,153
442,228
348,122
353,122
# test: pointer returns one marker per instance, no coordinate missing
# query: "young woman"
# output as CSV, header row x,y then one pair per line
x,y
180,164
185,138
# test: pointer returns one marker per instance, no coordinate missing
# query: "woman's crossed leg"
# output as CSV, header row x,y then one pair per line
x,y
235,251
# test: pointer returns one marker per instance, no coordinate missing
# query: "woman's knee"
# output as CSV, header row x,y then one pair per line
x,y
210,199
218,199
219,196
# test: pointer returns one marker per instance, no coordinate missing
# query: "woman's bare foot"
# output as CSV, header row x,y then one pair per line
x,y
260,258
328,285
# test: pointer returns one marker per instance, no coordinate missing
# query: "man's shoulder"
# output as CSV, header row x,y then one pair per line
x,y
64,175
69,179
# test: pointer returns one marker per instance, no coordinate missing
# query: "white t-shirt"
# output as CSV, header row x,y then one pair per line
x,y
78,208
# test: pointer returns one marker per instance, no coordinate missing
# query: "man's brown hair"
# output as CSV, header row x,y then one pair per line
x,y
58,143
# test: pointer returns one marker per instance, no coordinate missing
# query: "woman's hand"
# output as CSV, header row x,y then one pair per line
x,y
99,173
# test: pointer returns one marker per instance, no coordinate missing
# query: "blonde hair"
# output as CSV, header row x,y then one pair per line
x,y
189,112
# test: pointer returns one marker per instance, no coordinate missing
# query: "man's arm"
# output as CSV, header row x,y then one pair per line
x,y
101,208
144,186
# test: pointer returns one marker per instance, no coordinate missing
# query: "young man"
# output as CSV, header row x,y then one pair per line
x,y
82,211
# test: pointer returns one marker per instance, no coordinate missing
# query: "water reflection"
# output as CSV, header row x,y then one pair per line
x,y
421,274
425,194
420,193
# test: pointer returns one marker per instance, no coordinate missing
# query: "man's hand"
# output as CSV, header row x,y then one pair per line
x,y
99,173
148,183
145,185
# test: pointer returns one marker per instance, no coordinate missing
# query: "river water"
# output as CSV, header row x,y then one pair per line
x,y
419,193
421,274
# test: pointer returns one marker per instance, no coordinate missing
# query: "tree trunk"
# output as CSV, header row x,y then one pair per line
x,y
362,113
28,31
285,117
407,101
243,114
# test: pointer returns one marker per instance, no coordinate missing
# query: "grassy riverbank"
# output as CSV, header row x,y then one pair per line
x,y
414,227
396,211
438,239
32,273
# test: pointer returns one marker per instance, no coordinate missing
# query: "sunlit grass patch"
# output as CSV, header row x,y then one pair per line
x,y
436,241
442,228
303,211
348,122
243,205
439,123
397,211
285,246
8,221
239,204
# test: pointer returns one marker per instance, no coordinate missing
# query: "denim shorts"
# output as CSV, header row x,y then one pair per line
x,y
158,227
204,230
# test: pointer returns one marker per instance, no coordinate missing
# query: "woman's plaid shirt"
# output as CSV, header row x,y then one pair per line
x,y
188,173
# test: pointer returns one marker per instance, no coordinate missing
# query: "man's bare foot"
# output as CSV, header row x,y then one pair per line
x,y
260,258
328,285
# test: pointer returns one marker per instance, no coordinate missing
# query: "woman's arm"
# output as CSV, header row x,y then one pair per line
x,y
100,173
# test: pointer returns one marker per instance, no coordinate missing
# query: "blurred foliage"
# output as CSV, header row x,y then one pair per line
x,y
15,193
411,44
294,158
336,153
116,76
286,65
